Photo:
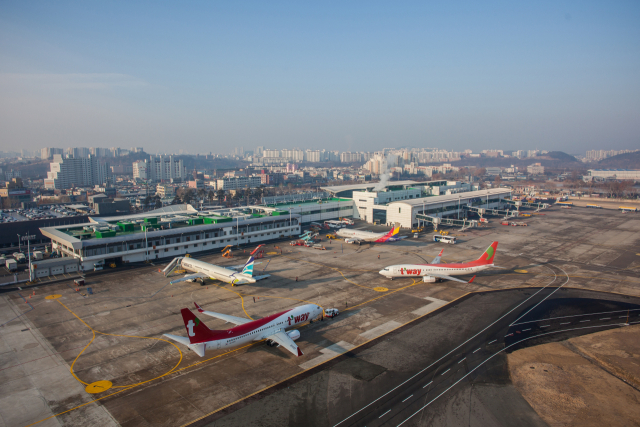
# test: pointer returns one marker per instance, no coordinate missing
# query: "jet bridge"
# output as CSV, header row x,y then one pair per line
x,y
531,205
491,211
451,222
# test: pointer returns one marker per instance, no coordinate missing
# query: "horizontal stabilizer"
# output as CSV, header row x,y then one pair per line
x,y
177,338
264,276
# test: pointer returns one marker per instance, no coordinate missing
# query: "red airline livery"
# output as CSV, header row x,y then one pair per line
x,y
436,270
271,328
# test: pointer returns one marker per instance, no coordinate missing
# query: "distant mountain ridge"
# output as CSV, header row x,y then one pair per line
x,y
621,161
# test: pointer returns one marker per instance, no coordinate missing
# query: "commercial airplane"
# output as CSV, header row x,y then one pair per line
x,y
204,270
271,328
435,270
359,236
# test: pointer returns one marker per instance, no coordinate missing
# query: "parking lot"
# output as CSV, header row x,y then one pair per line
x,y
51,349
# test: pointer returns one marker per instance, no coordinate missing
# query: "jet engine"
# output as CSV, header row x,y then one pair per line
x,y
429,279
294,334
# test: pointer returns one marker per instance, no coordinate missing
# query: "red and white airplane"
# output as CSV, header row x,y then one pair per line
x,y
435,270
271,328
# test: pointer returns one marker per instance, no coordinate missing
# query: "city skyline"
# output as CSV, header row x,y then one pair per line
x,y
355,77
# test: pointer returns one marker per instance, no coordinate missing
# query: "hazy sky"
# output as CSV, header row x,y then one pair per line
x,y
208,76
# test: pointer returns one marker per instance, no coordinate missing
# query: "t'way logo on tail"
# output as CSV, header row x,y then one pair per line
x,y
196,330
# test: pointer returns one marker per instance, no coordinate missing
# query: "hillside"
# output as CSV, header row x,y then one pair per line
x,y
621,161
561,155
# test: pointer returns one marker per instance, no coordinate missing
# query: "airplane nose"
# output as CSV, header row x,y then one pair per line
x,y
382,272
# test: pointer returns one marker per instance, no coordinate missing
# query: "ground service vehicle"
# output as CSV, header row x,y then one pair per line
x,y
331,312
445,239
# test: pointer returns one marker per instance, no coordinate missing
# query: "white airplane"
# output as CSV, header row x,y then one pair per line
x,y
204,270
359,236
435,270
271,328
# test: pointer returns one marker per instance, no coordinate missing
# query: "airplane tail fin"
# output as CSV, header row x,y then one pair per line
x,y
394,230
197,331
248,267
487,256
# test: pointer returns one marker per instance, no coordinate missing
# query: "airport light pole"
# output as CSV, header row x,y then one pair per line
x,y
19,245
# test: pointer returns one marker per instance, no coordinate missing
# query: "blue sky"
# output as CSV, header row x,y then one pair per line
x,y
209,76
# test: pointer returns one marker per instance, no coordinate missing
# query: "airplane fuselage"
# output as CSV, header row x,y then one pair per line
x,y
351,236
262,328
216,272
421,270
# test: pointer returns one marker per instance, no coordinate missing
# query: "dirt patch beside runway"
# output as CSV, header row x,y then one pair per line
x,y
584,380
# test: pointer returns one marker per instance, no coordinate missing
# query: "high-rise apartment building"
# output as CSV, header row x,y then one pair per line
x,y
160,168
48,152
69,172
140,170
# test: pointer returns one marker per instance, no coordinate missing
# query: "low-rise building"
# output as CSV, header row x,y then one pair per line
x,y
622,174
234,183
165,191
535,169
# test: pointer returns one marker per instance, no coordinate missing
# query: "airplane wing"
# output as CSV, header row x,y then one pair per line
x,y
444,276
241,266
283,339
436,260
227,318
190,277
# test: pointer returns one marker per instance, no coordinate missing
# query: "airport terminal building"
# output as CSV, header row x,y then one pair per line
x,y
180,229
167,232
400,201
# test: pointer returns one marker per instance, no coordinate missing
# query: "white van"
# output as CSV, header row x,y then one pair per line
x,y
445,239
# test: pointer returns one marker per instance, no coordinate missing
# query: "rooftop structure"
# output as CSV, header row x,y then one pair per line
x,y
167,232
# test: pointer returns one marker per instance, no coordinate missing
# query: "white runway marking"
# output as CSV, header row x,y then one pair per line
x,y
380,330
407,398
435,304
384,413
328,353
427,384
461,360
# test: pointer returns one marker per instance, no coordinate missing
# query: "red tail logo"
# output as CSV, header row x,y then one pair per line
x,y
196,330
487,256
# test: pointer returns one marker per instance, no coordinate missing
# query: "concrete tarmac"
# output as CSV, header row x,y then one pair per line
x,y
115,333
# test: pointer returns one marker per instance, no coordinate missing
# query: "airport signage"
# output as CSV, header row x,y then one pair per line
x,y
29,237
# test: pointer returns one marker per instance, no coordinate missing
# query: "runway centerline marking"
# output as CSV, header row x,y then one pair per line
x,y
491,357
407,398
384,413
445,372
469,339
427,384
461,360
476,349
